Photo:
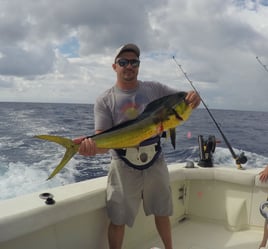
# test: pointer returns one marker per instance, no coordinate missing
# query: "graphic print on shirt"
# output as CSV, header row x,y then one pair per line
x,y
131,106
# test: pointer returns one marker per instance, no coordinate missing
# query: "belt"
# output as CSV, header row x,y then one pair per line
x,y
141,157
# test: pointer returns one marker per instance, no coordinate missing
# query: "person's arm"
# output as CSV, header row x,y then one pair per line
x,y
264,174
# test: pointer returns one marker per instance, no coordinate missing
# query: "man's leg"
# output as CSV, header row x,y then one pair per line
x,y
116,236
265,235
164,229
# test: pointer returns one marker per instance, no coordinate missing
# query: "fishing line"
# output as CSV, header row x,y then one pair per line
x,y
241,159
264,66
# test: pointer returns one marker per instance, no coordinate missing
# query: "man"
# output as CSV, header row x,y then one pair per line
x,y
132,178
263,178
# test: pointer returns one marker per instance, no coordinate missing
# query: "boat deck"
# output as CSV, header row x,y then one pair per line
x,y
200,235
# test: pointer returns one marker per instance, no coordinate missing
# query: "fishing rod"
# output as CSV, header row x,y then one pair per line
x,y
264,66
239,159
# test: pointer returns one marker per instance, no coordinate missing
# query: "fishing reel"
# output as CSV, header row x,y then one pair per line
x,y
263,210
241,159
206,150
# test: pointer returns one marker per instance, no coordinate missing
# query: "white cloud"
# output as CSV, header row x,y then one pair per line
x,y
63,51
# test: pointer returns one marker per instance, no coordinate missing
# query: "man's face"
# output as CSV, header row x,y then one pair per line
x,y
127,67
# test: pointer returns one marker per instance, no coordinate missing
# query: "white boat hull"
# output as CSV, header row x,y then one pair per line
x,y
214,208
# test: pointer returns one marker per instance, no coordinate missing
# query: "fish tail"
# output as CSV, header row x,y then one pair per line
x,y
71,150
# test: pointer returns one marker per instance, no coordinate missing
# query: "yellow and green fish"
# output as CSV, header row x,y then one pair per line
x,y
160,115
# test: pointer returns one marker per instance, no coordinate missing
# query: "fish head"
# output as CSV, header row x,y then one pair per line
x,y
176,104
183,110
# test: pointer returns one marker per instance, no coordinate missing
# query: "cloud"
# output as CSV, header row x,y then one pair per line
x,y
16,61
6,84
63,51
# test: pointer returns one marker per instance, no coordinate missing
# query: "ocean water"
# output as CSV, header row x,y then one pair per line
x,y
26,162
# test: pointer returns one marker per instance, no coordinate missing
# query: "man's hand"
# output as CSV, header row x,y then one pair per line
x,y
264,175
193,99
87,146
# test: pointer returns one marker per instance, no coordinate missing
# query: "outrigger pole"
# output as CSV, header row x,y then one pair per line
x,y
264,66
241,159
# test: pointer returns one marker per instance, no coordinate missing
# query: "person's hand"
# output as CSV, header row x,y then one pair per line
x,y
264,175
87,146
193,99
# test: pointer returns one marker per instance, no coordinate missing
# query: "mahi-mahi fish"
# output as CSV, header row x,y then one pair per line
x,y
160,115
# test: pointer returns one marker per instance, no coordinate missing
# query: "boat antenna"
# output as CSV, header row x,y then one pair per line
x,y
239,159
264,66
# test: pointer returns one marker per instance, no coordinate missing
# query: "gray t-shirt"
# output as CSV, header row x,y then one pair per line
x,y
115,106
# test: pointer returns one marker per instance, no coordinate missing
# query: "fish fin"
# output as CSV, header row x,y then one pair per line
x,y
164,102
173,137
71,150
67,156
65,142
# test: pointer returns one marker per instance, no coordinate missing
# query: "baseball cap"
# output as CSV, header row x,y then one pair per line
x,y
128,47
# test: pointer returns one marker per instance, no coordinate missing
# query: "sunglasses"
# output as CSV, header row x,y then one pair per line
x,y
125,62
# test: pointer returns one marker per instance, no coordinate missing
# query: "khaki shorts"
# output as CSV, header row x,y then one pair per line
x,y
127,187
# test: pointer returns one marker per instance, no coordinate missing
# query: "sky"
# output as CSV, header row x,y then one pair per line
x,y
62,51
